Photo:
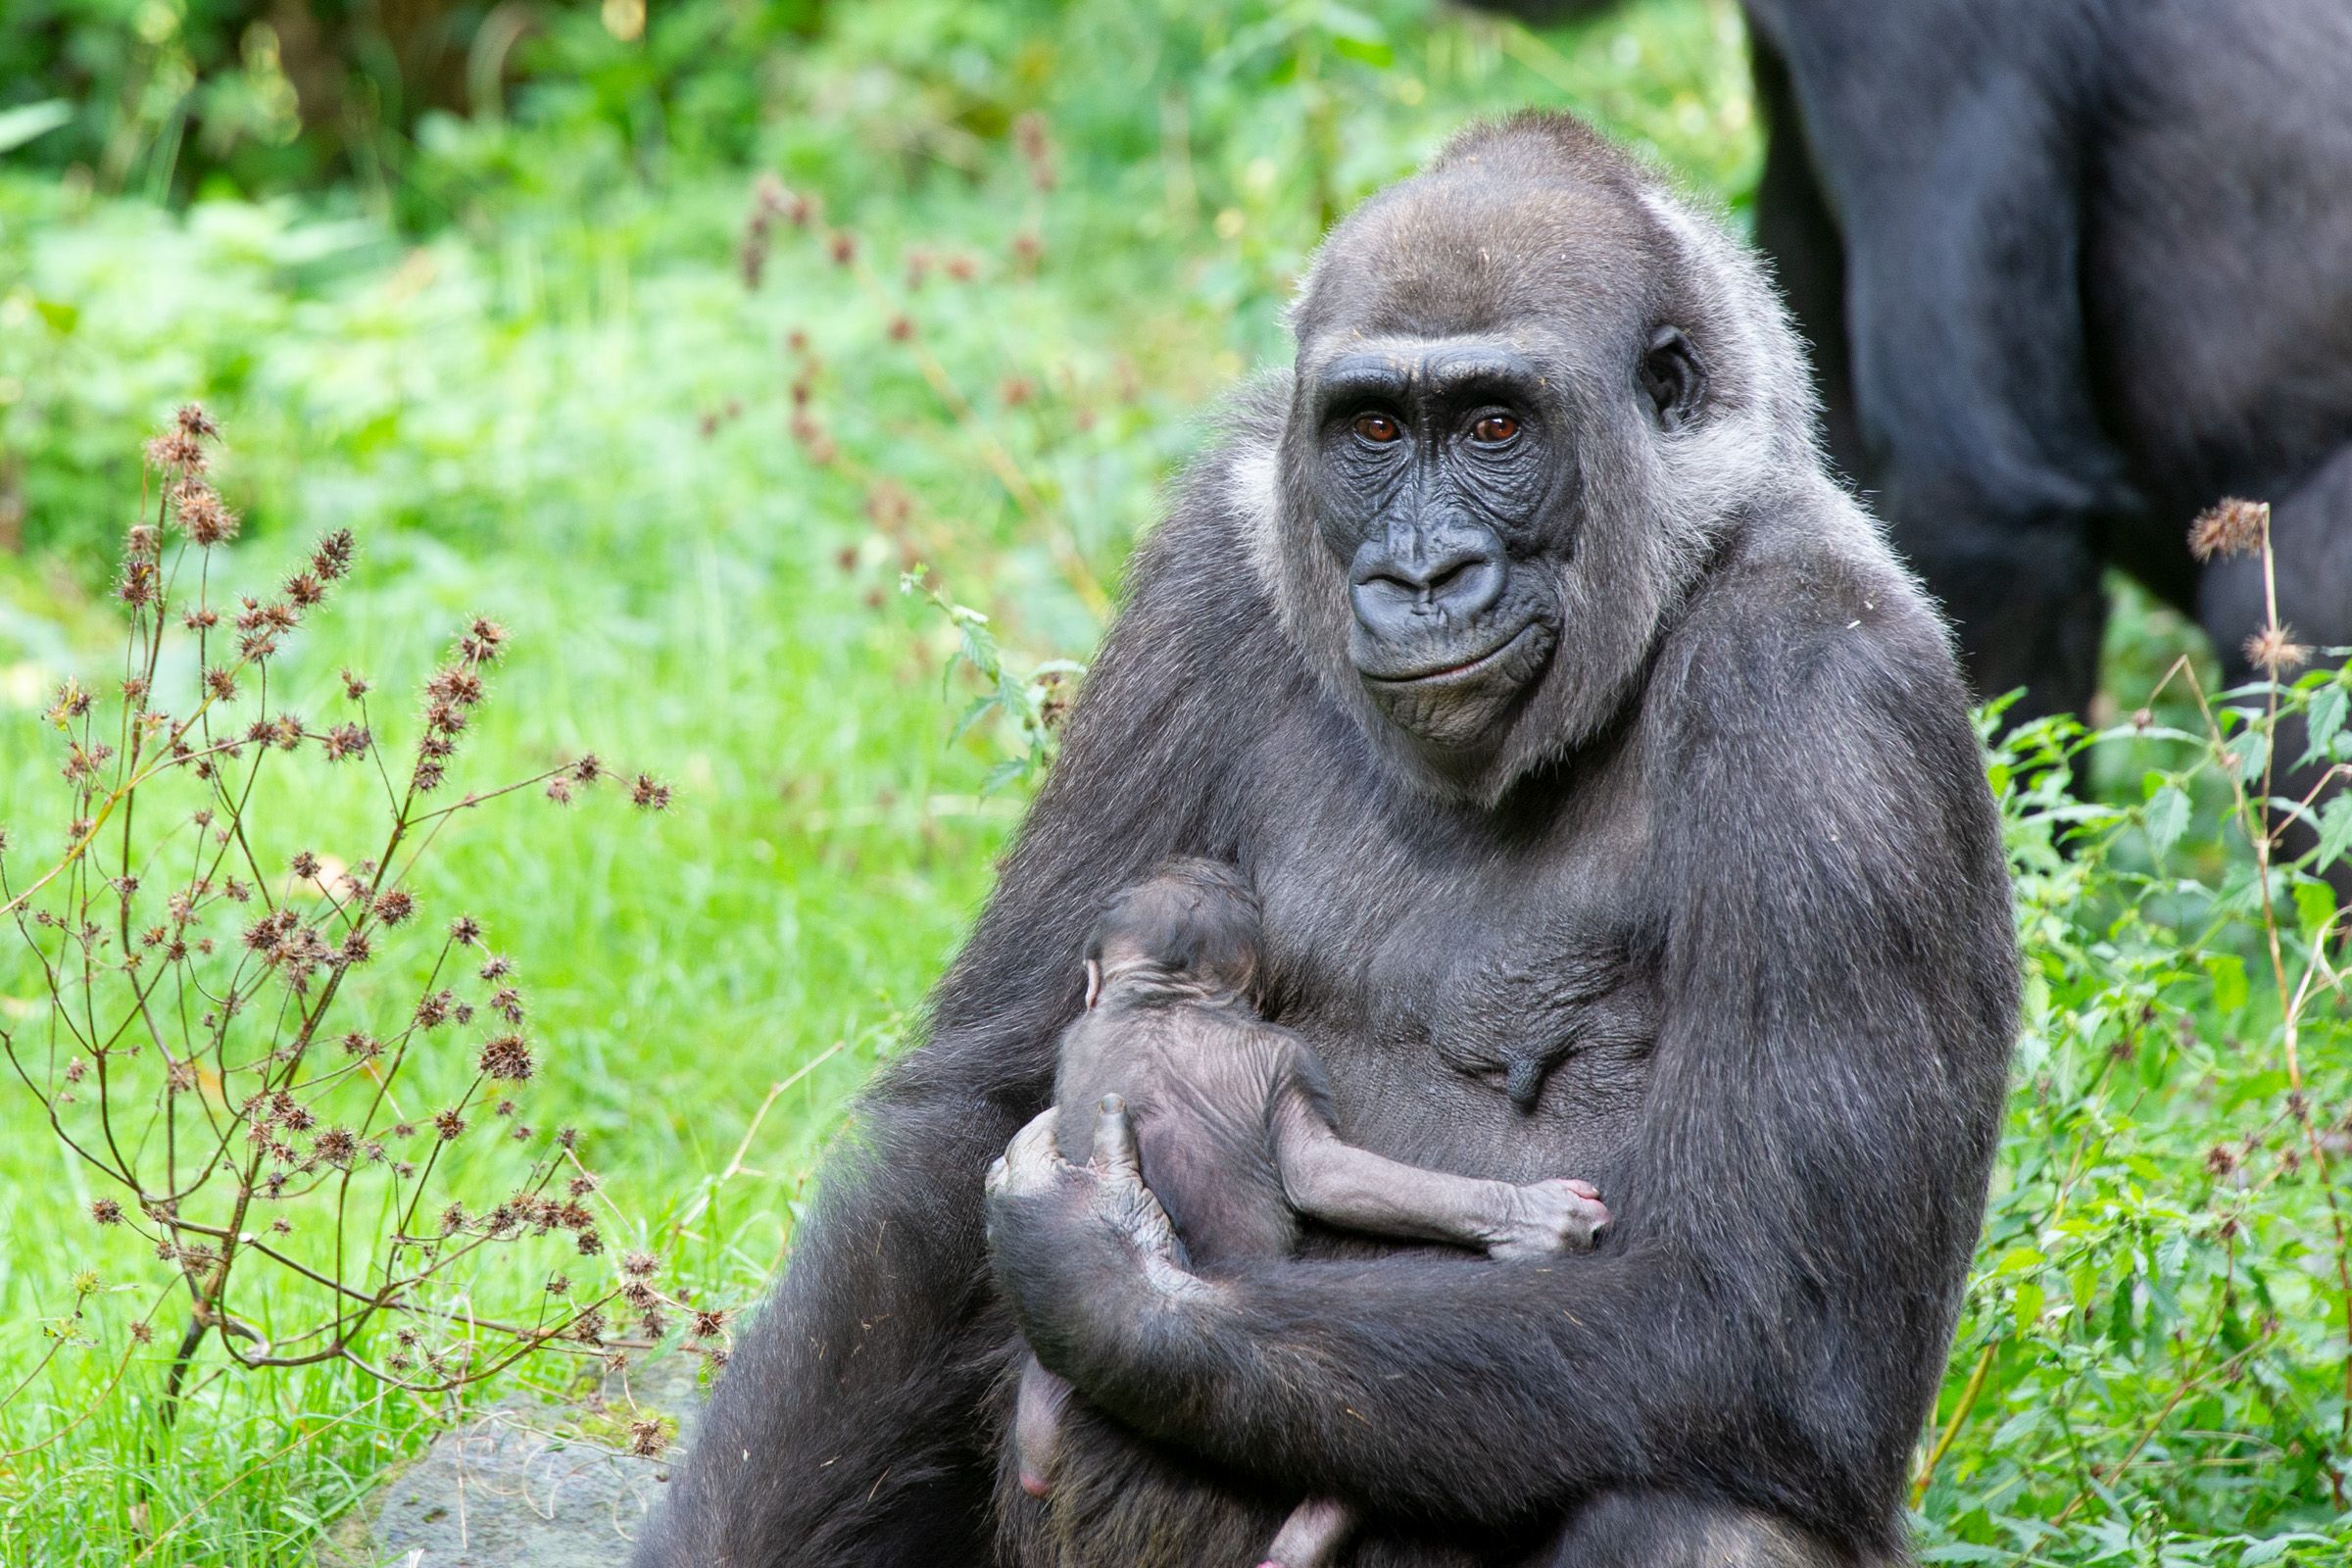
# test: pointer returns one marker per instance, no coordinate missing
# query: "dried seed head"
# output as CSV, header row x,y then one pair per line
x,y
2271,649
142,1331
192,422
330,559
485,641
360,1043
590,1244
336,1145
2221,1160
176,450
2233,526
508,1059
106,1211
345,741
394,905
200,514
356,949
649,793
448,1125
844,247
304,866
560,790
589,768
640,1265
434,1010
466,932
559,1284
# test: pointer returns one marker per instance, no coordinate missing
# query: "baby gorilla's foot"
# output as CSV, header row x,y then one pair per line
x,y
1550,1217
1311,1536
1037,1427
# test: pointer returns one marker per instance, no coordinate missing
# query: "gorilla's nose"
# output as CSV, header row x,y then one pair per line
x,y
1427,586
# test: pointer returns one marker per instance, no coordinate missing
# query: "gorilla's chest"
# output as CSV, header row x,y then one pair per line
x,y
1482,1006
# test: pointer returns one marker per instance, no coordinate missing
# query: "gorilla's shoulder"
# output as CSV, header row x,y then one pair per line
x,y
1807,617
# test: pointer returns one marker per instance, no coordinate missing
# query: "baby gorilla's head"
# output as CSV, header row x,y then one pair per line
x,y
1193,920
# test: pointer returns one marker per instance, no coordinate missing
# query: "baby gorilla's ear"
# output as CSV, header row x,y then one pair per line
x,y
1093,983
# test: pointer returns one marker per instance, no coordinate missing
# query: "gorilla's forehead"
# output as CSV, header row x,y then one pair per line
x,y
1434,364
1469,255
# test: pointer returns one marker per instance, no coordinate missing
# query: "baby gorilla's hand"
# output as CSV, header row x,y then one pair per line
x,y
1550,1217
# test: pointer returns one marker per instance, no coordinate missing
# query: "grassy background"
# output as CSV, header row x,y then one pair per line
x,y
525,366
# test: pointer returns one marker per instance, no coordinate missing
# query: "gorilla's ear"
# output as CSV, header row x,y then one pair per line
x,y
1673,377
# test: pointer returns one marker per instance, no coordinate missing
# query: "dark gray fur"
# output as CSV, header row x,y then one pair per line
x,y
1227,1119
1725,855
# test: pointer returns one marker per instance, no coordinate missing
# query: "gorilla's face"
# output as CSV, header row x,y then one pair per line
x,y
1449,478
1437,463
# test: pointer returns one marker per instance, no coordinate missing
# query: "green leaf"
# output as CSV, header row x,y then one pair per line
x,y
971,716
2167,819
2250,753
61,316
2315,907
2229,972
1003,773
2029,1308
2336,831
1377,55
2325,720
21,124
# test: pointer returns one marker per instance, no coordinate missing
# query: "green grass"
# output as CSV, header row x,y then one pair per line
x,y
563,409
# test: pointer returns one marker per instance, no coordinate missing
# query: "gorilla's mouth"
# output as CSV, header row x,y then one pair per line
x,y
1461,671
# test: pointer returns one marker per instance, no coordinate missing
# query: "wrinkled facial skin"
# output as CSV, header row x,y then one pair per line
x,y
1438,464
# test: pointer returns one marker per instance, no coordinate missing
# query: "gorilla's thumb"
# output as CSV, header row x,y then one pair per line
x,y
1114,1139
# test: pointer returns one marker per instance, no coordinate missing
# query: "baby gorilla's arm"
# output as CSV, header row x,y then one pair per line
x,y
1360,1191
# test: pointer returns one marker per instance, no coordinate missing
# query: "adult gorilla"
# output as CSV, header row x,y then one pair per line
x,y
1614,813
2074,270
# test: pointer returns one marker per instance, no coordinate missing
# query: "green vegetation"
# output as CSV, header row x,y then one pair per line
x,y
672,354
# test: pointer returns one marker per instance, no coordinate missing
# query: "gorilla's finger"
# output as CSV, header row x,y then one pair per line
x,y
1114,1140
1029,1162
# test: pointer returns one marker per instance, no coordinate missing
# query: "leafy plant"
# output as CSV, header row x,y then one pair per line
x,y
205,1046
2153,1361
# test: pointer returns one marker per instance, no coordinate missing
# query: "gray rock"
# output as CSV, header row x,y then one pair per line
x,y
530,1483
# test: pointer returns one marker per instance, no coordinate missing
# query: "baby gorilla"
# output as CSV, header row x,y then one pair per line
x,y
1233,1129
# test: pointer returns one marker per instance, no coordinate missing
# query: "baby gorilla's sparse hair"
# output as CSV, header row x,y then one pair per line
x,y
1188,918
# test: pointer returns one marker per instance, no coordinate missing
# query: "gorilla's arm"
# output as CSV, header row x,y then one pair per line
x,y
849,1425
1769,1315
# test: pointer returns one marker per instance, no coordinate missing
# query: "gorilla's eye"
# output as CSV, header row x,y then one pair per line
x,y
1495,429
1377,427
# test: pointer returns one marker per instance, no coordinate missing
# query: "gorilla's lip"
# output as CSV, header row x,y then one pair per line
x,y
1466,669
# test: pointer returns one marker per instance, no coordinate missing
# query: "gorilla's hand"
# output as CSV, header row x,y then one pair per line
x,y
1550,1217
1068,1240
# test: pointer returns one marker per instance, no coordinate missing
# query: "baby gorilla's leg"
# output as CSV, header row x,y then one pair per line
x,y
1311,1536
1036,1424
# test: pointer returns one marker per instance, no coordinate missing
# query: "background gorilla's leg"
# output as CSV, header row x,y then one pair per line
x,y
1662,1530
1958,193
2311,538
1794,229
